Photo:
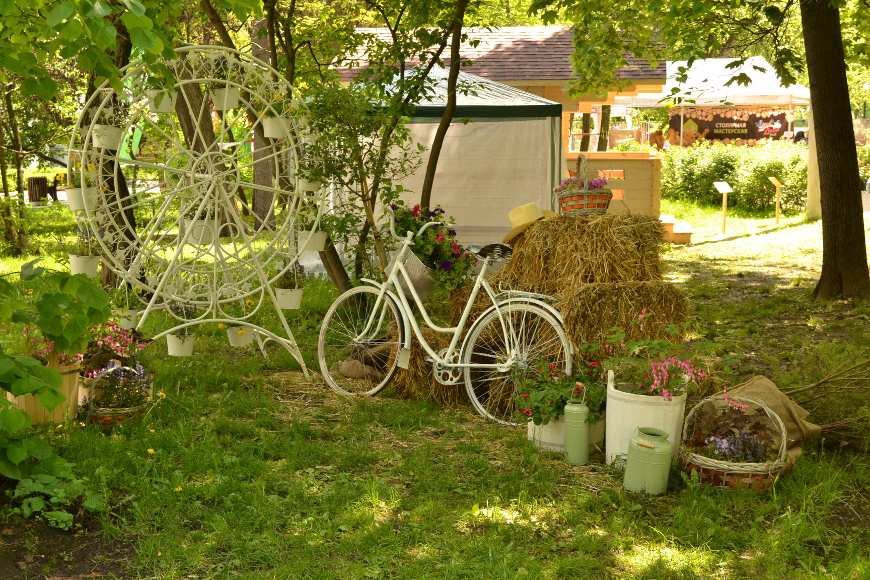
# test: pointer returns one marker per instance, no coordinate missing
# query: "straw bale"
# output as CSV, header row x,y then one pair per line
x,y
418,382
591,312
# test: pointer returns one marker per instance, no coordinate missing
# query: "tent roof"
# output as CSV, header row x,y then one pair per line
x,y
482,98
706,86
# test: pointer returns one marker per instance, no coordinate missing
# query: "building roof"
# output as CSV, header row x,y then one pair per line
x,y
525,53
482,98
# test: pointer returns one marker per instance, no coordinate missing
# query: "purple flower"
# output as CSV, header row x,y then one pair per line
x,y
446,265
394,207
451,232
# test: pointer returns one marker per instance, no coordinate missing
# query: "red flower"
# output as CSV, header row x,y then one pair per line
x,y
594,364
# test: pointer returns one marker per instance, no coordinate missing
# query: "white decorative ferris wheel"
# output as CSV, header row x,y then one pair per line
x,y
201,194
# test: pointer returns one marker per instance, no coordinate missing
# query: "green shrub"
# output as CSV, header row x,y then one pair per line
x,y
864,162
689,173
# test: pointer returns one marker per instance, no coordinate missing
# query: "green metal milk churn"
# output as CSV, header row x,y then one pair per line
x,y
576,432
649,462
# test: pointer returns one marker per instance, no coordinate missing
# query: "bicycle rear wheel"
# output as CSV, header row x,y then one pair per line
x,y
358,349
533,336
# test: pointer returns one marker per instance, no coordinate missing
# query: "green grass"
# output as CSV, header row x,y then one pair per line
x,y
258,473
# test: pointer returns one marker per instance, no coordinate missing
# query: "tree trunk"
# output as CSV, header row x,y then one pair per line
x,y
844,255
604,131
586,128
21,243
449,110
9,229
262,199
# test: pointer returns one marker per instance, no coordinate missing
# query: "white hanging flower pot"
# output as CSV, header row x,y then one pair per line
x,y
312,240
202,232
128,319
303,184
180,345
240,335
276,127
226,98
81,198
289,299
161,100
87,265
107,137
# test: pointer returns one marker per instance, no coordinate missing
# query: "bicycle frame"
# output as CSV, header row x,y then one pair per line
x,y
397,292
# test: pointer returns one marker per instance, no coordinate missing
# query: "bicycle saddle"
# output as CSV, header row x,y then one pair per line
x,y
494,251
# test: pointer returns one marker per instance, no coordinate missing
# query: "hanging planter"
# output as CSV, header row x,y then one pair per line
x,y
289,298
276,127
202,232
240,335
128,319
79,198
226,98
107,137
161,100
87,265
312,240
422,277
304,184
180,344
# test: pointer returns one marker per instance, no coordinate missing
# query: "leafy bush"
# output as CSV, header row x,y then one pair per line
x,y
864,162
632,145
689,173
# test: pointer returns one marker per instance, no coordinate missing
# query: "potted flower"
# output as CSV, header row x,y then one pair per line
x,y
118,393
181,342
110,131
438,258
289,287
276,118
224,95
202,223
310,238
734,442
579,195
160,98
543,392
79,197
240,334
85,259
110,346
647,384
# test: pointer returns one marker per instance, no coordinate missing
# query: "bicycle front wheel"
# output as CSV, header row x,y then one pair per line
x,y
524,337
359,343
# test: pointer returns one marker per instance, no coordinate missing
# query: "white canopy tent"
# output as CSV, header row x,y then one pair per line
x,y
706,86
508,153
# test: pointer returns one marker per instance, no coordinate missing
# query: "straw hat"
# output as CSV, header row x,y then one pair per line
x,y
523,216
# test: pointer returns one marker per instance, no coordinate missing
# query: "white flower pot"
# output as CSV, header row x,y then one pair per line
x,y
289,299
161,100
303,184
224,99
87,265
128,319
107,137
276,127
240,335
550,437
202,232
180,345
312,240
78,198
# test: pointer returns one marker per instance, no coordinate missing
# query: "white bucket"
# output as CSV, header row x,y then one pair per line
x,y
180,345
550,437
626,412
289,299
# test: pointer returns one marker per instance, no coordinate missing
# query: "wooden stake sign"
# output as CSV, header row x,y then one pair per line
x,y
723,188
778,185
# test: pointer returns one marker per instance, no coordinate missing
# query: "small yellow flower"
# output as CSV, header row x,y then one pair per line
x,y
177,488
161,394
137,288
241,331
249,302
222,325
150,452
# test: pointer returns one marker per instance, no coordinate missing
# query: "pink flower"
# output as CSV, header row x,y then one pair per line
x,y
527,412
524,395
594,364
440,237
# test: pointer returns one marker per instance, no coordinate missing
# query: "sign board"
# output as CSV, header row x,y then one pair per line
x,y
722,187
719,126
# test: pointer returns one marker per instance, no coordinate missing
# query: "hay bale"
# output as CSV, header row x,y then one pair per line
x,y
418,382
592,311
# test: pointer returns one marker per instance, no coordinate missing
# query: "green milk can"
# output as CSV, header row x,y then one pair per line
x,y
576,432
649,462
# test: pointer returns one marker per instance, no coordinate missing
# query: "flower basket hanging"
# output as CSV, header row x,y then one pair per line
x,y
580,196
743,440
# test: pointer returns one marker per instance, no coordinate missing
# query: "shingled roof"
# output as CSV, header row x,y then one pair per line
x,y
526,53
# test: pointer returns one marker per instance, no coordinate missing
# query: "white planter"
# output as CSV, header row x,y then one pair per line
x,y
626,412
224,99
303,184
276,127
79,199
312,240
107,137
240,335
289,299
180,345
161,100
422,277
128,319
202,232
88,265
550,437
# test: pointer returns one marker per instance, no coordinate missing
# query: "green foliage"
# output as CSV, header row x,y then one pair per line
x,y
49,497
543,392
864,162
689,173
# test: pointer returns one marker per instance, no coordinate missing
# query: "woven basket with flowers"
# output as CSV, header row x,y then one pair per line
x,y
578,195
734,442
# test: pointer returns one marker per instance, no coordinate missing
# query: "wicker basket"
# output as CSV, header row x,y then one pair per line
x,y
575,200
731,475
111,416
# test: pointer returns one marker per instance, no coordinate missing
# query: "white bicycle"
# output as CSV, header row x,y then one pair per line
x,y
366,336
